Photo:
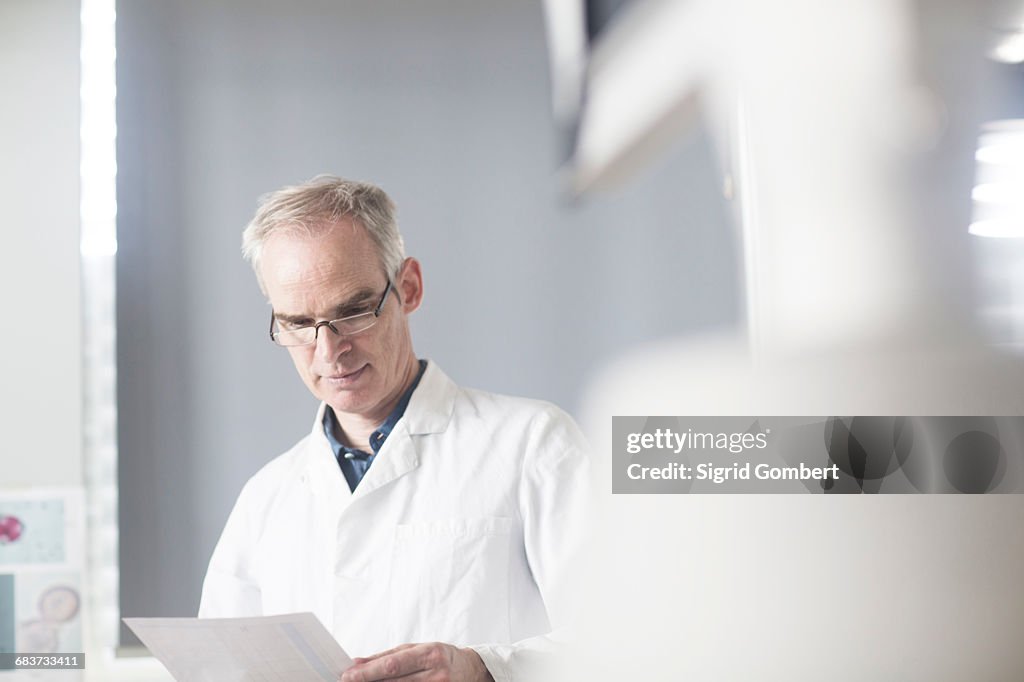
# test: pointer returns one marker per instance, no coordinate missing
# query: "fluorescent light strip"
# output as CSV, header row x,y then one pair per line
x,y
98,129
98,245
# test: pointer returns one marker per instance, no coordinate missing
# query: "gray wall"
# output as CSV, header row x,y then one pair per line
x,y
40,372
444,104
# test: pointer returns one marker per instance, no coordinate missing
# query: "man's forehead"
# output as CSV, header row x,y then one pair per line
x,y
306,274
320,296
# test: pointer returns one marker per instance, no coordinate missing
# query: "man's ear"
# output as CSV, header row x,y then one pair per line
x,y
410,285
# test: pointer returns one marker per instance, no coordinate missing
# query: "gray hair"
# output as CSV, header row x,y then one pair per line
x,y
317,204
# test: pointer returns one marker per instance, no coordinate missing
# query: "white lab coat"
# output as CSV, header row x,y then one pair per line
x,y
461,531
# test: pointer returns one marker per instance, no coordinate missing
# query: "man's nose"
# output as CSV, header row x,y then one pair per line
x,y
330,344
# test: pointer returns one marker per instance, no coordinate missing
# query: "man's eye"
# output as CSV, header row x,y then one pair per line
x,y
291,326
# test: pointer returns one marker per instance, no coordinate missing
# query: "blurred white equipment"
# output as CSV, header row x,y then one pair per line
x,y
848,130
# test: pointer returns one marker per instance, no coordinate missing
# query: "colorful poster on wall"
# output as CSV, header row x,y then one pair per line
x,y
41,529
41,560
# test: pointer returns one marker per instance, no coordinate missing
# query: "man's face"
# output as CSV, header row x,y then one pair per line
x,y
334,274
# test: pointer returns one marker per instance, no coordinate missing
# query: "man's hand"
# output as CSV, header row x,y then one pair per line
x,y
435,662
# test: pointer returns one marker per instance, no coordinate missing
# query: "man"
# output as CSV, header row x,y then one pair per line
x,y
415,510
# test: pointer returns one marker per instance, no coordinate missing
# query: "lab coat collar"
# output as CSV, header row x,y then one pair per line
x,y
432,404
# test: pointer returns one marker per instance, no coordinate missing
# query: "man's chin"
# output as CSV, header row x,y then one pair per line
x,y
354,400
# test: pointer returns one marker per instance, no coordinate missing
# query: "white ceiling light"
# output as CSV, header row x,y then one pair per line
x,y
1009,49
999,190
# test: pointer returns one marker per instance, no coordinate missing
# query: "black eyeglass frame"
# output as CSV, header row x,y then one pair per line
x,y
330,323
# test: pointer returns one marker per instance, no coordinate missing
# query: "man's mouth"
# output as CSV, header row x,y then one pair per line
x,y
343,379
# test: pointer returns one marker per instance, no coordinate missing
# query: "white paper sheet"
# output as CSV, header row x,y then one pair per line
x,y
288,648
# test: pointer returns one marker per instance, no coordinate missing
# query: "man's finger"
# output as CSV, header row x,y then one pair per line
x,y
399,664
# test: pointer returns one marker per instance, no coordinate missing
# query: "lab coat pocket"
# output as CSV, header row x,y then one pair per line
x,y
449,581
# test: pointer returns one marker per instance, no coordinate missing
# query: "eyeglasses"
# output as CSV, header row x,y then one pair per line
x,y
343,326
